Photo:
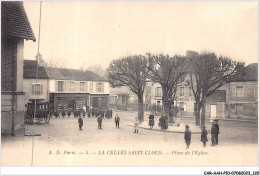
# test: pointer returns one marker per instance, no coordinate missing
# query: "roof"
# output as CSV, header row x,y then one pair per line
x,y
251,72
29,70
73,74
58,73
217,96
14,21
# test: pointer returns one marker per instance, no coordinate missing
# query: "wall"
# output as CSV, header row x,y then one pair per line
x,y
12,98
27,84
53,87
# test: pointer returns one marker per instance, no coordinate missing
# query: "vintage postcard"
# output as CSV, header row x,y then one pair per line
x,y
129,84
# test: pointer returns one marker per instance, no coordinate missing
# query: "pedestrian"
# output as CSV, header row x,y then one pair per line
x,y
89,114
187,136
217,130
99,120
117,120
204,137
161,122
151,121
92,112
213,135
136,125
80,121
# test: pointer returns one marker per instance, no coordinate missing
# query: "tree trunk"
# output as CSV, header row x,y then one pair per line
x,y
140,109
166,108
197,112
203,111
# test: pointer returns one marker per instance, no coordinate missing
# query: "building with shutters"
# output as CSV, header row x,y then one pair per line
x,y
242,96
15,28
65,88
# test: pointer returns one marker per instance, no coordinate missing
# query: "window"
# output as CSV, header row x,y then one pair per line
x,y
181,91
37,89
190,91
72,86
99,87
82,86
91,87
60,86
158,91
240,91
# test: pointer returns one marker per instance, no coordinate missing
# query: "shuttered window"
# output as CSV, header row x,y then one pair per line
x,y
37,89
239,91
100,87
181,91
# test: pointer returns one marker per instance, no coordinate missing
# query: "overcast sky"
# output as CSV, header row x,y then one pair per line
x,y
98,32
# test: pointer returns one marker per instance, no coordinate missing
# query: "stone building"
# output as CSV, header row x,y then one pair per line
x,y
242,96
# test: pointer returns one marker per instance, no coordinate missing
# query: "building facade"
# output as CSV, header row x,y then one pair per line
x,y
242,96
15,27
65,88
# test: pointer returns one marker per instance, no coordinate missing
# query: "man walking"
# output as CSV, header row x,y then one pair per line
x,y
99,120
117,120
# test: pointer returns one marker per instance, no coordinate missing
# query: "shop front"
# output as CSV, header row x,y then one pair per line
x,y
66,101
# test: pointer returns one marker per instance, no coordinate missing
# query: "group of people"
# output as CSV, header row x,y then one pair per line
x,y
98,112
99,120
214,135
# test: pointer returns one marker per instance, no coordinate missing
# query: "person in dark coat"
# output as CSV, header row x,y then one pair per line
x,y
204,137
161,122
89,114
80,121
117,120
99,120
213,135
217,130
187,136
92,112
151,121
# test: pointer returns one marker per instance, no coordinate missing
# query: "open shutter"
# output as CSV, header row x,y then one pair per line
x,y
102,87
234,91
41,89
56,86
33,89
186,91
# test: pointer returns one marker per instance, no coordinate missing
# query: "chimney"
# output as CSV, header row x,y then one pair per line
x,y
40,60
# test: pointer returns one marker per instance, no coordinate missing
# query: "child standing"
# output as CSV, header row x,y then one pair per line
x,y
204,134
80,121
136,125
187,136
117,120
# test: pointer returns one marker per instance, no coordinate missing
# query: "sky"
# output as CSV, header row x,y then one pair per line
x,y
95,33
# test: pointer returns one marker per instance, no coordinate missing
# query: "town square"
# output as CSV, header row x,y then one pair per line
x,y
139,84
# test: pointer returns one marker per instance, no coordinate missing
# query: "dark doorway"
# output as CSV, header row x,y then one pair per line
x,y
72,104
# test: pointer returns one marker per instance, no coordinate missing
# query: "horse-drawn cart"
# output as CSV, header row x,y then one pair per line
x,y
42,112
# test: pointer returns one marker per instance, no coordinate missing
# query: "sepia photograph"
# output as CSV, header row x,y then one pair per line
x,y
130,84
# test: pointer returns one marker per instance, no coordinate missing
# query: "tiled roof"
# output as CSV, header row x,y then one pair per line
x,y
14,21
58,73
54,73
73,74
29,70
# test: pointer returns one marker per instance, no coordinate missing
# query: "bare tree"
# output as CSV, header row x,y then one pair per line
x,y
167,71
132,72
98,69
57,63
207,74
